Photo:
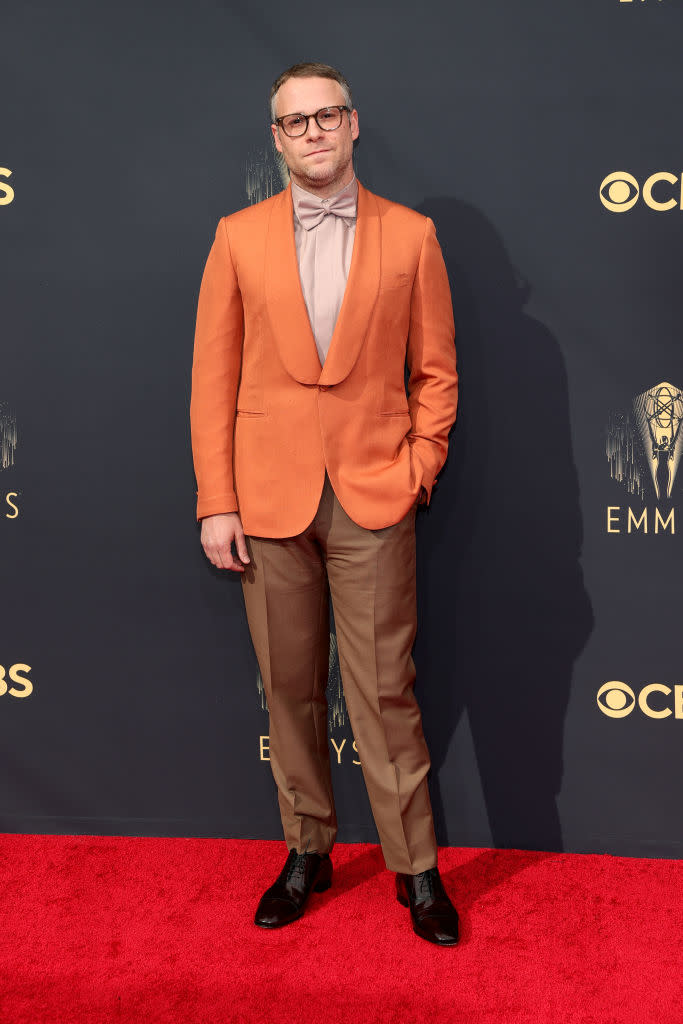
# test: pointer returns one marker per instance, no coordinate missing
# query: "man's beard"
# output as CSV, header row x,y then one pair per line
x,y
322,174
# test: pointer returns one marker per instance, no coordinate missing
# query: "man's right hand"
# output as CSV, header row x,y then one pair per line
x,y
218,534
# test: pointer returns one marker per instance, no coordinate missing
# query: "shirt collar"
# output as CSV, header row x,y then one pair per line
x,y
300,194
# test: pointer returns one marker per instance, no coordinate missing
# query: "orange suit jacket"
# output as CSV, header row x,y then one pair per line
x,y
267,419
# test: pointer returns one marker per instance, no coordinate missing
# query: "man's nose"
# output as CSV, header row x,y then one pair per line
x,y
313,130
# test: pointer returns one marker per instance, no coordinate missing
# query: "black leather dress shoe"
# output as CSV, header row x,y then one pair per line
x,y
434,916
285,901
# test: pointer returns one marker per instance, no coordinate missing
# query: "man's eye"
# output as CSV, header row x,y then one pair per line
x,y
328,115
292,122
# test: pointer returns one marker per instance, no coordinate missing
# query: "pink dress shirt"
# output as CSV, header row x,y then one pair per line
x,y
324,231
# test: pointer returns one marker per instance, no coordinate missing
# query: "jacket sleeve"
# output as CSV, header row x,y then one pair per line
x,y
216,366
433,381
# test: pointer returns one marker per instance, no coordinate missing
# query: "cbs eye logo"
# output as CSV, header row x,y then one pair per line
x,y
620,192
617,700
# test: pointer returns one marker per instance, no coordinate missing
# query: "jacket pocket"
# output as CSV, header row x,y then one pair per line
x,y
396,412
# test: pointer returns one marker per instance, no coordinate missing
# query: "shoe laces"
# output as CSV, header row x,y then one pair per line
x,y
425,885
297,869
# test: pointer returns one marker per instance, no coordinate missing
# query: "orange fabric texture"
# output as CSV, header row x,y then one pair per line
x,y
267,419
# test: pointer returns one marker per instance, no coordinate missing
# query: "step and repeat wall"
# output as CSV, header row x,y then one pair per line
x,y
542,140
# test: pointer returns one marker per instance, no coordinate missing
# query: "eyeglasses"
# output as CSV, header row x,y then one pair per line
x,y
327,118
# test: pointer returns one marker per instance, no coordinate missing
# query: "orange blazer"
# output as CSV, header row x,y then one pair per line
x,y
267,419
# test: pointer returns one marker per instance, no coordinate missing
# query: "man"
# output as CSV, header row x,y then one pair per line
x,y
311,460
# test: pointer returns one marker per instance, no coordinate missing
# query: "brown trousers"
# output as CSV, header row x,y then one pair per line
x,y
371,577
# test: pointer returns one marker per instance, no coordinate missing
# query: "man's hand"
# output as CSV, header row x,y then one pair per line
x,y
218,534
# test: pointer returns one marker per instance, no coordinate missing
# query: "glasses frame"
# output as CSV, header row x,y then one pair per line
x,y
330,106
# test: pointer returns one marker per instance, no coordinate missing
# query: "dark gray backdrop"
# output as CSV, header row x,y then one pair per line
x,y
127,131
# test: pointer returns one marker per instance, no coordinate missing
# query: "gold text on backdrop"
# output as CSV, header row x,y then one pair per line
x,y
625,520
18,675
6,191
340,748
617,700
620,191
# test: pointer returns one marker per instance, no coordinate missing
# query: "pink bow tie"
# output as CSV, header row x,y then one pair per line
x,y
310,210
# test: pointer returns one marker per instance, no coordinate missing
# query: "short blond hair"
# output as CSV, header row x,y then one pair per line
x,y
310,70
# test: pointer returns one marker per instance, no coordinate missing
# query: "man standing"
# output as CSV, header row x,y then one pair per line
x,y
311,459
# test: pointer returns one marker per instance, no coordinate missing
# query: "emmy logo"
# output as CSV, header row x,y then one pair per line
x,y
659,414
644,445
8,444
8,437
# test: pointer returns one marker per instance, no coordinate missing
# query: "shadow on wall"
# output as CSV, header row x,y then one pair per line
x,y
503,612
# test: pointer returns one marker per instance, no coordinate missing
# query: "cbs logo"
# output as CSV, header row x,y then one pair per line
x,y
18,676
617,700
6,191
620,191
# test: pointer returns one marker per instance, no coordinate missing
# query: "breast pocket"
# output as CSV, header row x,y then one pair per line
x,y
250,399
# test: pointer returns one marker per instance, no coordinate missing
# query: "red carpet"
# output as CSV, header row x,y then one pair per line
x,y
145,930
